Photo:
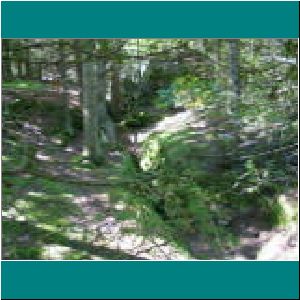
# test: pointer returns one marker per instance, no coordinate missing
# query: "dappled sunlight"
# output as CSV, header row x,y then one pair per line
x,y
55,251
42,242
283,245
6,158
36,194
13,214
43,157
143,247
150,149
121,205
174,123
69,149
56,141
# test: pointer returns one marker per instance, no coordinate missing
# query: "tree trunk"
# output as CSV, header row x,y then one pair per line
x,y
6,62
19,58
92,93
20,69
78,59
236,87
234,67
63,91
99,130
115,92
28,71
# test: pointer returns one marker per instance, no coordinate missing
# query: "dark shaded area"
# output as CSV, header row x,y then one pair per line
x,y
41,237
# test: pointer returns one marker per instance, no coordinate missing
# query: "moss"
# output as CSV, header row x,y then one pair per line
x,y
23,84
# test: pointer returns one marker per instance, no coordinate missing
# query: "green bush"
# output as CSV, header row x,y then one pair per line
x,y
24,84
186,91
138,119
194,191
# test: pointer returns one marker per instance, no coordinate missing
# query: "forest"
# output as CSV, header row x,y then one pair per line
x,y
150,149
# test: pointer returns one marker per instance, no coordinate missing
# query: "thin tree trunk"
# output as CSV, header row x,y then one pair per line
x,y
63,88
6,63
234,54
28,71
78,59
20,69
115,92
19,58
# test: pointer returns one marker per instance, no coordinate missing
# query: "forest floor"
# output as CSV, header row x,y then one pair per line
x,y
256,240
63,209
66,208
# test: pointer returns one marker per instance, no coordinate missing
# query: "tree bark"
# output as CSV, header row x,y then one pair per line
x,y
78,61
63,91
99,129
234,54
115,92
28,71
6,63
93,84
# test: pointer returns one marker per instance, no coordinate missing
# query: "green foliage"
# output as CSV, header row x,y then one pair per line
x,y
193,188
272,211
187,91
138,119
23,84
76,255
151,158
180,203
182,183
35,211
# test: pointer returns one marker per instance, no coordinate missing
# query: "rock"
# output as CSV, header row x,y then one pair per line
x,y
24,238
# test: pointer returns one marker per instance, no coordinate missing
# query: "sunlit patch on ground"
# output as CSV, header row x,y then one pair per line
x,y
43,157
59,205
58,252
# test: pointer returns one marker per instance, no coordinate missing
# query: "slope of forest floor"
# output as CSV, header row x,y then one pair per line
x,y
63,207
256,239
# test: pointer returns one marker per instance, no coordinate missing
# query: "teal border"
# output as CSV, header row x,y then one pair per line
x,y
165,19
152,280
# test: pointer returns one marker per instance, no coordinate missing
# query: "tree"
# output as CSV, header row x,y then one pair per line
x,y
6,60
115,102
98,128
234,66
28,71
63,87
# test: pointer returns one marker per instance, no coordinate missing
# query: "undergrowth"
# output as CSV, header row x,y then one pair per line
x,y
180,186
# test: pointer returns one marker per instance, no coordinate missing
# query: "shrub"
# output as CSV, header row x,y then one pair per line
x,y
186,91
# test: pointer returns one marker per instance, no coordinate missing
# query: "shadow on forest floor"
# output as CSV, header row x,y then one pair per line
x,y
62,208
38,240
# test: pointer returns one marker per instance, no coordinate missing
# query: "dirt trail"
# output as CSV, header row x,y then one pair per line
x,y
179,121
98,220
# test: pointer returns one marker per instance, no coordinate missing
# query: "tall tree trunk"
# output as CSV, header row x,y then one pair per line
x,y
39,72
115,92
79,61
98,128
234,54
28,71
19,58
20,69
63,90
218,65
92,93
6,62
